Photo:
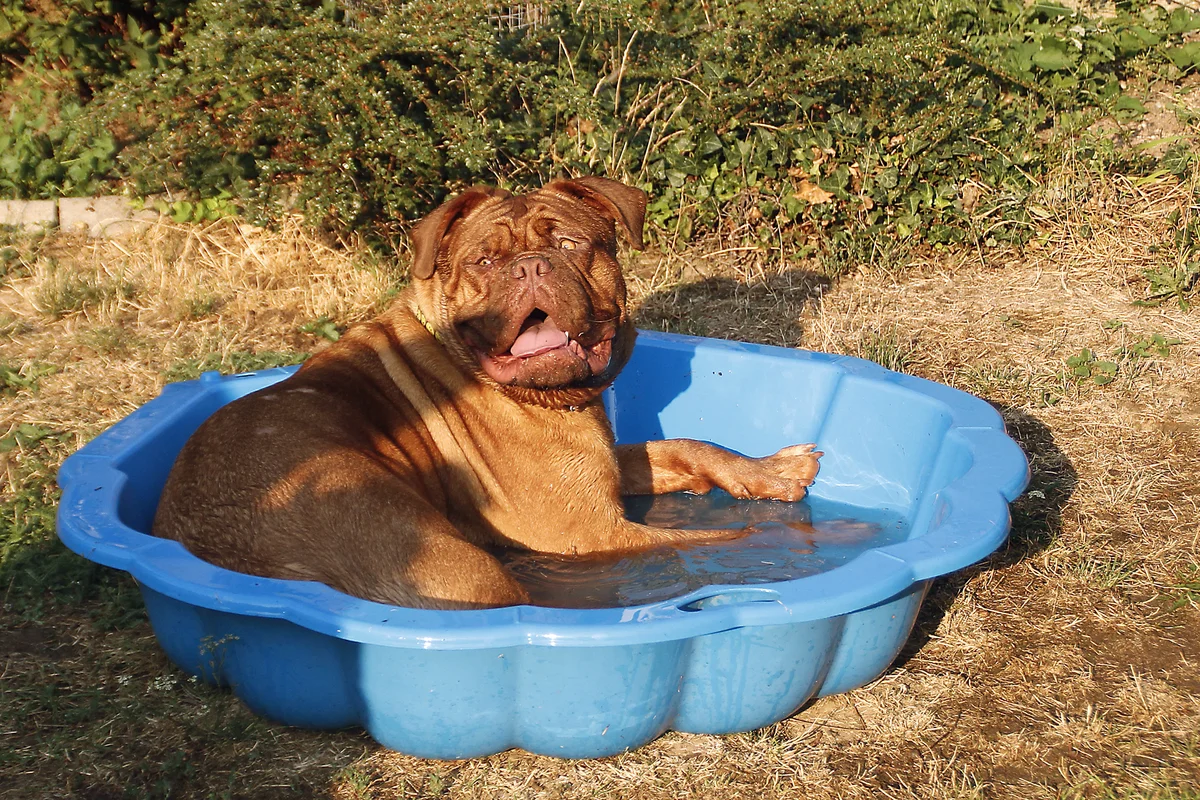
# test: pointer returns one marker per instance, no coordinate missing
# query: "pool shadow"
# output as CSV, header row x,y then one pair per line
x,y
1036,523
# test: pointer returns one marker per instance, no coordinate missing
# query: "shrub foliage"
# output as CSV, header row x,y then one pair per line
x,y
797,117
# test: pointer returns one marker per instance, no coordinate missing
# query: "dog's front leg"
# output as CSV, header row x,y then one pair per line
x,y
686,465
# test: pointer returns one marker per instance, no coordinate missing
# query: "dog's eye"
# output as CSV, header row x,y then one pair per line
x,y
485,261
567,244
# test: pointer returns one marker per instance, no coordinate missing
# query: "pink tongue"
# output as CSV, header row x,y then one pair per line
x,y
538,339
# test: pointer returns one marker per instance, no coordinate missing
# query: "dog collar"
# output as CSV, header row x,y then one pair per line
x,y
428,325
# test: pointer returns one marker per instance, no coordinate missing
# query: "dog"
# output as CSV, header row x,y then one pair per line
x,y
466,417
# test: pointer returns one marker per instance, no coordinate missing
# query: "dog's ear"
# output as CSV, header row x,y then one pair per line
x,y
625,205
427,235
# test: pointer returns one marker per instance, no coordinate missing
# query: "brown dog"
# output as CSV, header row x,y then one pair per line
x,y
466,416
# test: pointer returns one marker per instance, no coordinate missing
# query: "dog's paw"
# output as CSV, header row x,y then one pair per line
x,y
785,475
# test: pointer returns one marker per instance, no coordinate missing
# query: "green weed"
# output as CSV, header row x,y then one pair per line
x,y
109,340
1105,572
1179,160
1013,384
200,307
1085,366
1186,591
1156,345
25,377
322,327
208,209
867,248
354,781
887,349
1177,275
10,263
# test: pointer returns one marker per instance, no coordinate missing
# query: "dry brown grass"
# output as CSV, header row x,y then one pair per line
x,y
115,315
1059,668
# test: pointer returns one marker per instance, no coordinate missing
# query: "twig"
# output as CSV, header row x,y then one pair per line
x,y
646,154
707,95
730,250
621,71
570,63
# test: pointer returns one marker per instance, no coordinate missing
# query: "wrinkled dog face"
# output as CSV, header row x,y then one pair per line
x,y
530,284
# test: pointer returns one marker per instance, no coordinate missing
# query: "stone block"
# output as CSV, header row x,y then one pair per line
x,y
31,216
108,216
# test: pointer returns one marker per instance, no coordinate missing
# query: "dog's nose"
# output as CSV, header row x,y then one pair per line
x,y
525,267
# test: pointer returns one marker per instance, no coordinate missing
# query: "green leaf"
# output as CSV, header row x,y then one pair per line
x,y
1053,56
1128,109
709,145
182,211
1022,55
1081,358
47,170
1182,20
1185,56
1148,38
676,177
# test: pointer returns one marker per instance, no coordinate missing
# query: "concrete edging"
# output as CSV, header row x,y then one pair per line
x,y
103,217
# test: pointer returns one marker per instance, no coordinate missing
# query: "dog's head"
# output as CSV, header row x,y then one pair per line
x,y
526,290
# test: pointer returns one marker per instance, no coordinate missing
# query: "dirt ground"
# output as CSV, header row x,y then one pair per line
x,y
1067,665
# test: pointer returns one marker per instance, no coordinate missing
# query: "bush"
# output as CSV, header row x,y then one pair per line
x,y
789,118
58,54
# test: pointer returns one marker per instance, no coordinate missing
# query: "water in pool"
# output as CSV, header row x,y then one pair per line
x,y
791,540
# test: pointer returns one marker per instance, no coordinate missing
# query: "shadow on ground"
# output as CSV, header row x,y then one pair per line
x,y
766,310
1036,522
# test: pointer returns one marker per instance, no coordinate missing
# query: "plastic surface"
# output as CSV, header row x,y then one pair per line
x,y
583,682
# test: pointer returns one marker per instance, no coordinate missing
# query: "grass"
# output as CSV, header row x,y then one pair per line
x,y
887,347
63,291
1065,666
1186,590
236,361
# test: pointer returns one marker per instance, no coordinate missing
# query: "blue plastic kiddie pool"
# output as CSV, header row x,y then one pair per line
x,y
583,682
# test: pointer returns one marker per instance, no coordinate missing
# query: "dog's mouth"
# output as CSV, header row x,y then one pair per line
x,y
544,355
